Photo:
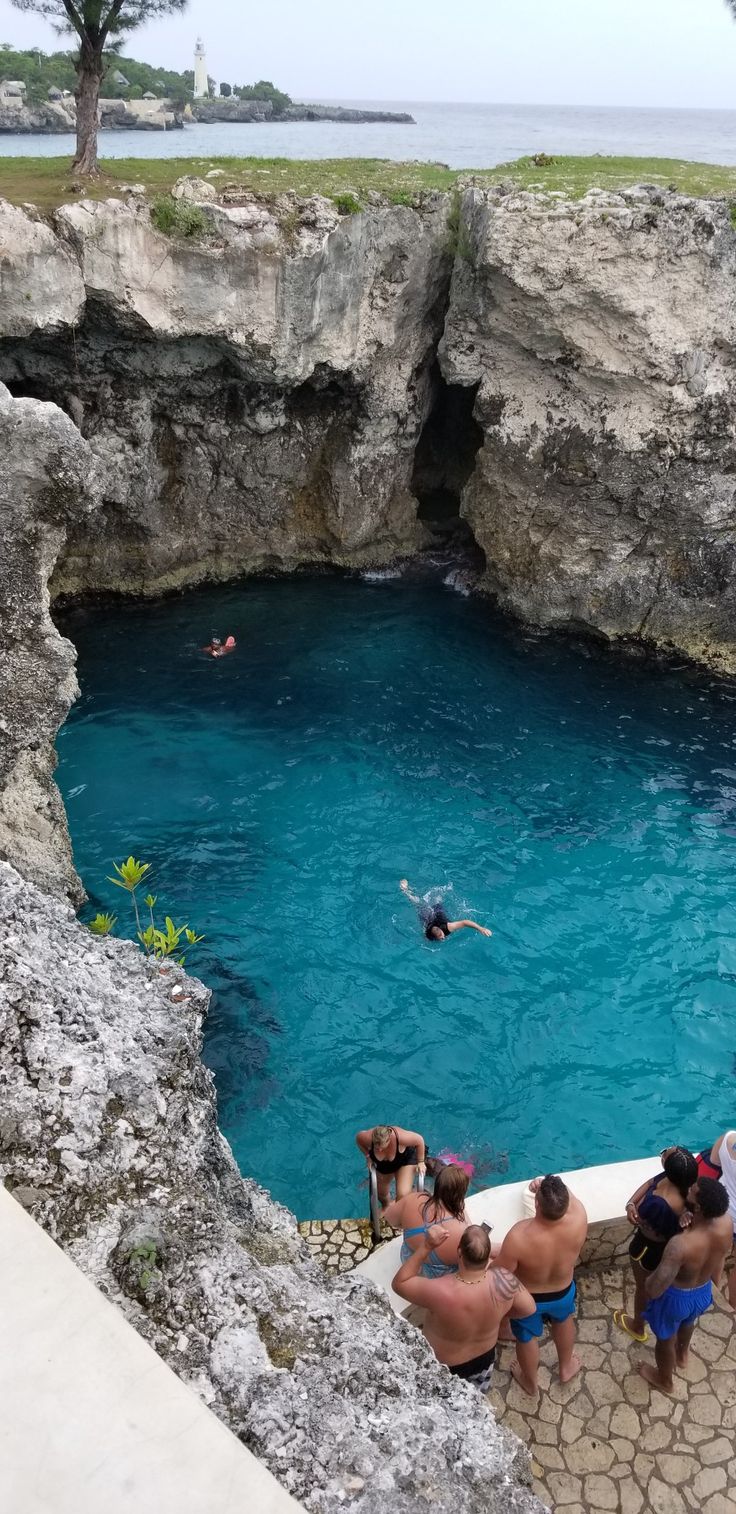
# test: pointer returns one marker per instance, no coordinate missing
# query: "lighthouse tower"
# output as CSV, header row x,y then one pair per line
x,y
201,82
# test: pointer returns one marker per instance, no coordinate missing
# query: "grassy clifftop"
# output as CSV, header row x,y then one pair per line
x,y
47,182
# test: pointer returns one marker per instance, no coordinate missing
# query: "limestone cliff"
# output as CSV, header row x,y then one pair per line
x,y
601,335
255,397
46,485
108,1134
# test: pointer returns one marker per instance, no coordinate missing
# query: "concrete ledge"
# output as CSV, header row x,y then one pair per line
x,y
603,1190
92,1419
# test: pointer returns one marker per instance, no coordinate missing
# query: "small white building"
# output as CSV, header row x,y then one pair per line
x,y
201,81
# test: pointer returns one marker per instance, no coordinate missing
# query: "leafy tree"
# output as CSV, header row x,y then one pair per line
x,y
265,90
98,24
226,91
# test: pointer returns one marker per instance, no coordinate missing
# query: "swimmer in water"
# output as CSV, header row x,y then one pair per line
x,y
434,918
218,648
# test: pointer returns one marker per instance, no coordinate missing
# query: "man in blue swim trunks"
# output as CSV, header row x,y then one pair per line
x,y
542,1252
681,1289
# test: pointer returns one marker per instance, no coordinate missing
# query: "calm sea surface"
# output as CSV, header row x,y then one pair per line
x,y
462,136
582,805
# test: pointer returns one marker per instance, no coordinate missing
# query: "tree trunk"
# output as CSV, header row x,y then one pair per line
x,y
89,78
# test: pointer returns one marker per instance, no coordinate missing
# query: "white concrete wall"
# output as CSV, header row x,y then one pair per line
x,y
603,1190
91,1419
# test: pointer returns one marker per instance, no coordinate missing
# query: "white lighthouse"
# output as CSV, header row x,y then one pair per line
x,y
201,82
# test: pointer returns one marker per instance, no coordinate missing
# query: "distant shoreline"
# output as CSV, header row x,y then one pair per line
x,y
59,117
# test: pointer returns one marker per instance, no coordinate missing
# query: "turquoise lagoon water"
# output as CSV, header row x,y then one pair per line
x,y
581,803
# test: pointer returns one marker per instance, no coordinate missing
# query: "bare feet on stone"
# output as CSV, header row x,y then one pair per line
x,y
651,1376
570,1371
528,1387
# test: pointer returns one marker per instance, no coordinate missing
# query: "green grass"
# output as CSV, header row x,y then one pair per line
x,y
48,182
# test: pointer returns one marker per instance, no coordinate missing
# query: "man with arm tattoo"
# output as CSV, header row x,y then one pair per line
x,y
464,1309
681,1289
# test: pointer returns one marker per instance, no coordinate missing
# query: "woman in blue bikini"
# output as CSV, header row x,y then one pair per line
x,y
419,1212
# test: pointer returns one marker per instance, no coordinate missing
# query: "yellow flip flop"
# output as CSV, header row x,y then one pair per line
x,y
619,1318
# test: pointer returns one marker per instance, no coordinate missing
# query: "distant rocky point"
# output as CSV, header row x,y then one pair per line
x,y
56,116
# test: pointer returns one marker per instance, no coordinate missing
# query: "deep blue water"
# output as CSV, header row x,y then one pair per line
x,y
581,803
463,136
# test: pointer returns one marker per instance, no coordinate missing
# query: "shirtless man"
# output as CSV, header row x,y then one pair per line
x,y
465,1308
681,1289
543,1252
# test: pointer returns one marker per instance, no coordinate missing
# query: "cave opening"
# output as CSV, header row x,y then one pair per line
x,y
445,458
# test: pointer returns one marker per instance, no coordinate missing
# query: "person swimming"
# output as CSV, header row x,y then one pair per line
x,y
437,926
218,648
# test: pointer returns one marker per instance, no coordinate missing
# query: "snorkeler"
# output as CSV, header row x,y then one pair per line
x,y
219,648
434,918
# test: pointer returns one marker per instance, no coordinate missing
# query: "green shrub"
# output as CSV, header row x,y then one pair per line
x,y
459,243
156,942
178,218
348,204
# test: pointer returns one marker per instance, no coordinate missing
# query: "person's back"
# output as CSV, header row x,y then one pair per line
x,y
464,1316
546,1251
464,1309
542,1252
443,1211
701,1251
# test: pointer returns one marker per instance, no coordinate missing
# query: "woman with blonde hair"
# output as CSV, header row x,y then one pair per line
x,y
396,1155
418,1213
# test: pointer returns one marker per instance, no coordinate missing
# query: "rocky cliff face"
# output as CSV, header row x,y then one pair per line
x,y
254,398
46,485
601,336
108,1134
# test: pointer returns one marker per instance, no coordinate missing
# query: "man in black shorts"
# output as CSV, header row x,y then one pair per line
x,y
465,1309
437,927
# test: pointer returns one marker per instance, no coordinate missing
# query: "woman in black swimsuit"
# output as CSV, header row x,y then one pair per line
x,y
437,927
396,1154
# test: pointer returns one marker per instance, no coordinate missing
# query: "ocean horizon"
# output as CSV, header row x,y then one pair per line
x,y
468,136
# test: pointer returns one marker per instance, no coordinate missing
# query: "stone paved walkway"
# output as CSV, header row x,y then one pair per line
x,y
339,1245
606,1441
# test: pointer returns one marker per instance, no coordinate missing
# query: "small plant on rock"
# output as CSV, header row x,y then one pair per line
x,y
348,204
178,218
102,925
156,942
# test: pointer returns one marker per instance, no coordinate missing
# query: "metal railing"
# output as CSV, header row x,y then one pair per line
x,y
375,1206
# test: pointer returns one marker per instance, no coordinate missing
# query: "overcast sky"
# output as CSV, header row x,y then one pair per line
x,y
576,52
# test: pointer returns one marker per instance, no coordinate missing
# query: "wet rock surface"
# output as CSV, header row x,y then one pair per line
x,y
109,1137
